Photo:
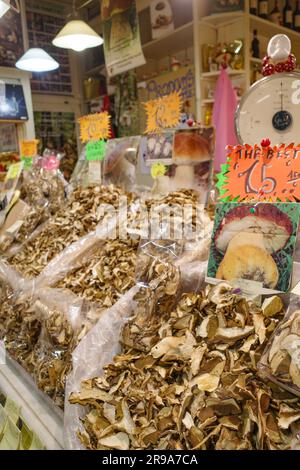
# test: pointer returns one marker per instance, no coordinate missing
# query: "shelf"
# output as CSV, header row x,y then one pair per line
x,y
95,70
177,40
211,101
218,19
40,414
269,29
206,75
254,60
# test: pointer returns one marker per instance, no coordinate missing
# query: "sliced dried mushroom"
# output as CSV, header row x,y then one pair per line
x,y
281,360
207,396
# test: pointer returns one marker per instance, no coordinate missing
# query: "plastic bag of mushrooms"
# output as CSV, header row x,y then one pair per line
x,y
182,375
40,332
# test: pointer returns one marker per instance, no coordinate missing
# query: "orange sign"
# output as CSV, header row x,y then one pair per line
x,y
163,113
29,148
270,174
94,127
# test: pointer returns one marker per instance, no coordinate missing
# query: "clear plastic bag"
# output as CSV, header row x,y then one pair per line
x,y
280,362
120,164
96,350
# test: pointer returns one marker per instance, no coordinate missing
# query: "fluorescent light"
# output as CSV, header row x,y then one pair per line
x,y
77,35
4,7
37,60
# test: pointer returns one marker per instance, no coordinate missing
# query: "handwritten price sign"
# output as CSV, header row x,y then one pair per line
x,y
270,174
163,113
94,127
29,148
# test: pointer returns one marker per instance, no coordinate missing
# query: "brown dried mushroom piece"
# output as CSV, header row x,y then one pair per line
x,y
282,359
172,388
79,217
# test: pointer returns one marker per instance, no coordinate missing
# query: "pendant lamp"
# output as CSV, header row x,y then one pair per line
x,y
37,60
5,5
77,35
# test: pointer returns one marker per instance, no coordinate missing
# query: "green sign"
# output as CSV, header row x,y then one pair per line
x,y
95,151
28,162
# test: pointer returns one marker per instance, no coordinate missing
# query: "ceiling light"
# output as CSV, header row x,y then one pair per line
x,y
5,5
37,60
77,35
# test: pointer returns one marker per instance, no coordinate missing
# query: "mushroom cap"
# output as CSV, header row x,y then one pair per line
x,y
274,224
190,148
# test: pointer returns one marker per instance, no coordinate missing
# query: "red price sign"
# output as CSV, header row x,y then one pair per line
x,y
273,173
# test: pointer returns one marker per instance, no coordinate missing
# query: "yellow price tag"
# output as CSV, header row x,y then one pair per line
x,y
94,127
29,148
163,113
14,171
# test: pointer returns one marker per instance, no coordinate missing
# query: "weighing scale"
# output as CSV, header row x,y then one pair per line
x,y
271,107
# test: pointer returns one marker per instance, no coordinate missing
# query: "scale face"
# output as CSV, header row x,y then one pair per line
x,y
270,109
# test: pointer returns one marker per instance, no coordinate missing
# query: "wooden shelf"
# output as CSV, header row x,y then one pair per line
x,y
268,29
179,39
254,60
217,19
211,101
206,75
95,70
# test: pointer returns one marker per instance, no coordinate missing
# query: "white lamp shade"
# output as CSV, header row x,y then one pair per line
x,y
37,60
4,7
77,35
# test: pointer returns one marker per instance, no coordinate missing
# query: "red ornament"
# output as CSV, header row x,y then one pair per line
x,y
265,143
190,122
268,70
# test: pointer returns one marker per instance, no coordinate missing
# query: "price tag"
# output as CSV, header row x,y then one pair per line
x,y
14,171
268,174
163,113
94,172
95,151
29,148
94,127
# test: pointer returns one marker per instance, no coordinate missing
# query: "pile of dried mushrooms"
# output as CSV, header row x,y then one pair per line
x,y
79,217
187,379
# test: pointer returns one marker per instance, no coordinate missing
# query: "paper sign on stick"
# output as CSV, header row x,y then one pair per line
x,y
29,148
94,127
95,151
270,174
163,113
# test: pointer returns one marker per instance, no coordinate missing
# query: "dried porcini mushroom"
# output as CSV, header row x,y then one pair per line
x,y
79,217
281,360
186,391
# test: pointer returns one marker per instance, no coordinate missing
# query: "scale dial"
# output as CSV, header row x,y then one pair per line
x,y
270,109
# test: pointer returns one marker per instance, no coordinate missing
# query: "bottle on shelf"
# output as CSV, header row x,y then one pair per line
x,y
254,7
263,9
288,15
255,45
275,15
297,17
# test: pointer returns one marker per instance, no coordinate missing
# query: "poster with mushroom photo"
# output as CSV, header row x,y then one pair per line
x,y
253,245
189,164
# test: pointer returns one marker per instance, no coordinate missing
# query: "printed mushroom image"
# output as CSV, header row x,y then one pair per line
x,y
190,149
120,161
248,240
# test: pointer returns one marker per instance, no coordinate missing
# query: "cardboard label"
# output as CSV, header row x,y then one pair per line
x,y
95,172
29,148
94,127
268,174
95,151
163,113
